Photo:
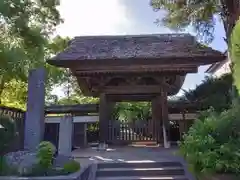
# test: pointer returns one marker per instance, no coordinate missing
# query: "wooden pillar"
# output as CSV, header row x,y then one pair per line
x,y
103,118
157,119
165,119
105,111
182,125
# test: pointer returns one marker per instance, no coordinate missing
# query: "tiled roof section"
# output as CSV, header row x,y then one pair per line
x,y
135,46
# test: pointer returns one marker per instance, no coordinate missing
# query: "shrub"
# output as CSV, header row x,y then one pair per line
x,y
71,167
3,166
45,155
5,169
7,133
212,145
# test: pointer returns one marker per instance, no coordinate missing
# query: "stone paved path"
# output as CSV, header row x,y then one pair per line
x,y
127,154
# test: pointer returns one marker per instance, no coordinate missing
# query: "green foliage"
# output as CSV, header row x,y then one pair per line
x,y
14,90
199,14
25,44
213,92
5,169
45,155
235,54
3,166
25,28
73,94
132,111
71,167
15,94
7,133
212,144
77,99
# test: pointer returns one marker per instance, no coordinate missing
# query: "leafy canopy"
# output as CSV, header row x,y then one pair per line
x,y
25,43
201,15
212,92
235,54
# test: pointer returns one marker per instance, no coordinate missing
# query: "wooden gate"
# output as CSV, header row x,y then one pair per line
x,y
124,132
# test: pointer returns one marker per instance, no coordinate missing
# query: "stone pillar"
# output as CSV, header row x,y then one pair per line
x,y
65,136
157,120
164,112
34,119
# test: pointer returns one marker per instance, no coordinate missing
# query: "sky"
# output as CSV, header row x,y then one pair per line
x,y
122,17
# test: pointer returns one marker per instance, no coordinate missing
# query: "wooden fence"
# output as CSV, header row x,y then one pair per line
x,y
18,116
123,132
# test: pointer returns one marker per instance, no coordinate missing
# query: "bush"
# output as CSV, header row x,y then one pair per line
x,y
45,153
212,144
5,169
44,165
3,166
7,133
71,167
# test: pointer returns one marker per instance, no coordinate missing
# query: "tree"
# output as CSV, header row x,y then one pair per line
x,y
73,94
200,14
24,35
235,54
56,76
212,92
15,94
15,89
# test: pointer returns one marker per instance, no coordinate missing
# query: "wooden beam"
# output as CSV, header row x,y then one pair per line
x,y
130,97
131,89
134,69
78,108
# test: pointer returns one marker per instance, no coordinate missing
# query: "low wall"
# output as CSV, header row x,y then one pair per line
x,y
87,173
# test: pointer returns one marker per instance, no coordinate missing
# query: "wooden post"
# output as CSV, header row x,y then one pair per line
x,y
164,111
102,118
105,110
157,119
182,125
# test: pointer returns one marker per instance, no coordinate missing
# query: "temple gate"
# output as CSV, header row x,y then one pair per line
x,y
134,68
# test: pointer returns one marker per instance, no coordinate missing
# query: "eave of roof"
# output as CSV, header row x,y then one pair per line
x,y
213,68
154,46
216,66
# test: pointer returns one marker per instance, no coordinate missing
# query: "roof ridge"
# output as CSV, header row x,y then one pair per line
x,y
137,35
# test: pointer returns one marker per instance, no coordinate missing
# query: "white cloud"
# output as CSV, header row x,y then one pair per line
x,y
93,17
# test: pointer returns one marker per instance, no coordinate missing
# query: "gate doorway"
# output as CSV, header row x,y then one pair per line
x,y
125,132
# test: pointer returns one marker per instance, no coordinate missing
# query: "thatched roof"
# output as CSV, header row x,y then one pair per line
x,y
155,46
